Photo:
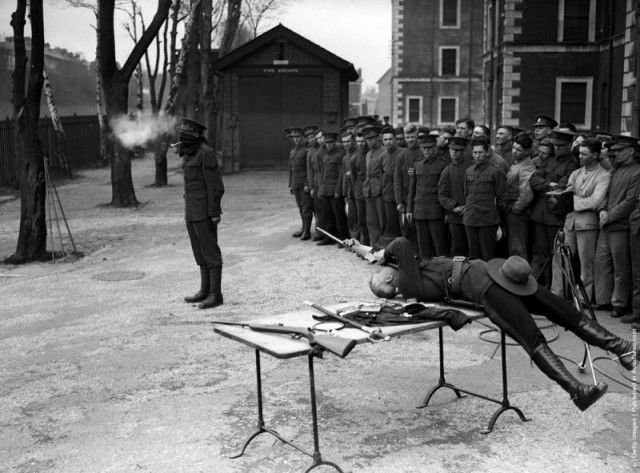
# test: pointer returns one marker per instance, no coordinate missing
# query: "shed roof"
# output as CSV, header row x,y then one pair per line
x,y
281,32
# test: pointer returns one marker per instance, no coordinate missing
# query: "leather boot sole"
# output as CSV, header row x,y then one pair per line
x,y
214,300
197,297
587,395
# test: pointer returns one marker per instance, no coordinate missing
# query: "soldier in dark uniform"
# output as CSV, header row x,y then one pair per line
x,y
372,188
401,181
358,176
509,294
203,190
400,141
485,186
542,128
553,174
330,189
350,151
423,206
394,153
442,143
504,143
313,148
298,182
451,195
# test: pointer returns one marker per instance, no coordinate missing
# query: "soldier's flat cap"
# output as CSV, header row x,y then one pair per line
x,y
427,140
399,131
187,124
295,132
310,130
423,130
388,129
545,120
347,122
559,137
371,131
330,136
623,141
365,120
458,142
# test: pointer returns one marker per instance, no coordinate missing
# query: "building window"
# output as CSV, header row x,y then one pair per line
x,y
447,110
449,13
414,109
449,61
573,100
576,20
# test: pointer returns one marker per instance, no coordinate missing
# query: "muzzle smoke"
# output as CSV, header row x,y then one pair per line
x,y
141,130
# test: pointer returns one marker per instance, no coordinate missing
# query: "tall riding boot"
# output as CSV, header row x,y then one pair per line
x,y
215,291
203,293
582,395
595,334
306,228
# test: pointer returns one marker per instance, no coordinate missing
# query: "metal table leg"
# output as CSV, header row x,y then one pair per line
x,y
504,402
262,428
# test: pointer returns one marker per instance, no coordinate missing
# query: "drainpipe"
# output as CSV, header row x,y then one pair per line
x,y
470,68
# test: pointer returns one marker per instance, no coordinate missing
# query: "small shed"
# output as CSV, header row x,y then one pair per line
x,y
278,80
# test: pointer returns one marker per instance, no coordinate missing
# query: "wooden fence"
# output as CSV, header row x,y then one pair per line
x,y
82,146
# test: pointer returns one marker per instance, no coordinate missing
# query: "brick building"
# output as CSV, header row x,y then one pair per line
x,y
280,79
436,61
571,59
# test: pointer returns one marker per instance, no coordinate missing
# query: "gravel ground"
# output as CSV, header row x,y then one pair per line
x,y
96,377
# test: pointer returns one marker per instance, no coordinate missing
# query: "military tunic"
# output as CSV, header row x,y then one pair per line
x,y
203,191
451,195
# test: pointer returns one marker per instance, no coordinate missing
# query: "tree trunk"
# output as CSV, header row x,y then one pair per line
x,y
57,126
115,82
32,236
122,191
206,84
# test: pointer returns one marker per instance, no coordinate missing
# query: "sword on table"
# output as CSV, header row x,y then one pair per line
x,y
368,256
374,334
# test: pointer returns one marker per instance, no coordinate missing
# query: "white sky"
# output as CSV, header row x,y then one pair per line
x,y
359,31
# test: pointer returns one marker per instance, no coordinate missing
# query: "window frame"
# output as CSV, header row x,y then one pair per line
x,y
407,114
588,104
441,15
440,62
591,35
447,97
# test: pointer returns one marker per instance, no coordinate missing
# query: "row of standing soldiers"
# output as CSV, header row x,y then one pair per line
x,y
452,193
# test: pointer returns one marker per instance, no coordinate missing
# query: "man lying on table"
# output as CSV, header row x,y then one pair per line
x,y
509,294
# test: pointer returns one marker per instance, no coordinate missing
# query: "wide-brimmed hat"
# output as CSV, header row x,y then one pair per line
x,y
513,274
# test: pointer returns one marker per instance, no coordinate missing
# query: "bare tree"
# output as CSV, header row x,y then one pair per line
x,y
132,29
115,83
32,237
257,12
57,125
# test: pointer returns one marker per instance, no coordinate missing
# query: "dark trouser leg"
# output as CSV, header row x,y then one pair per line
x,y
393,221
543,250
330,221
409,271
375,219
425,245
318,209
473,240
459,246
438,232
517,231
307,214
603,267
361,205
352,218
619,244
297,193
487,241
342,228
207,235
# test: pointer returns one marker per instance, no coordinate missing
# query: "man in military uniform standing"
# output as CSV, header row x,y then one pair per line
x,y
358,176
313,148
485,186
401,181
349,146
504,143
423,205
372,188
298,182
203,190
451,195
330,189
542,128
394,153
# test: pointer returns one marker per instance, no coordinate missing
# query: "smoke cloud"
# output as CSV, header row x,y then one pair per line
x,y
132,131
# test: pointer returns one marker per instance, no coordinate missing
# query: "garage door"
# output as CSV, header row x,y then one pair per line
x,y
267,105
